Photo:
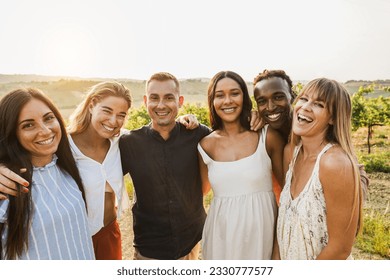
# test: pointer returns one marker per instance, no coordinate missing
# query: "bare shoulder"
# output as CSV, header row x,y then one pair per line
x,y
274,139
209,141
271,132
287,152
335,159
335,167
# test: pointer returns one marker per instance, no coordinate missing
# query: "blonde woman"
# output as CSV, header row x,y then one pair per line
x,y
94,131
320,205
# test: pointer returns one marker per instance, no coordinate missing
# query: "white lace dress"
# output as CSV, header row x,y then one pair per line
x,y
241,219
301,228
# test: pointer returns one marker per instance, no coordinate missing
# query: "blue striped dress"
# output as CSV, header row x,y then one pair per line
x,y
59,228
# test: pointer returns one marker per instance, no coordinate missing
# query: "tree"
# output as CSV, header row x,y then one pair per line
x,y
137,118
201,112
369,112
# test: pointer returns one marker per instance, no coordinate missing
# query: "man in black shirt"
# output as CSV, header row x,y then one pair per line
x,y
162,161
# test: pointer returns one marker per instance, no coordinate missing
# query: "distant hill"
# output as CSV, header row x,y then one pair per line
x,y
353,86
67,92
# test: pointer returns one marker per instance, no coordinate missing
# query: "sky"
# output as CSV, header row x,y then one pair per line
x,y
338,39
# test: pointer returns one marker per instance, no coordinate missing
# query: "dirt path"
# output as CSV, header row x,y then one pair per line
x,y
126,226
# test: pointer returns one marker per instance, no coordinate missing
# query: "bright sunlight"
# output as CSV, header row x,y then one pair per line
x,y
69,49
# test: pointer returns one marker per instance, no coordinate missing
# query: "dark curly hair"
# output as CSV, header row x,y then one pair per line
x,y
266,74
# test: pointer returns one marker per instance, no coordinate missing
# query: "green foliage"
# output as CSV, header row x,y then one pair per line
x,y
297,88
376,235
369,112
201,112
137,118
378,162
129,186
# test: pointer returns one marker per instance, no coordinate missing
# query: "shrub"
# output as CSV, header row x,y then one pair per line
x,y
378,162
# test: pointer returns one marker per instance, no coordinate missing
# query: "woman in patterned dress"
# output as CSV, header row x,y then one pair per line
x,y
320,205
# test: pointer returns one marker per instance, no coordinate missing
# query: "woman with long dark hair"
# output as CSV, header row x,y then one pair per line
x,y
237,164
49,221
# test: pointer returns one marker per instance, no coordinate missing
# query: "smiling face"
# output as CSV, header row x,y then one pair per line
x,y
273,100
38,132
228,100
311,116
108,115
163,101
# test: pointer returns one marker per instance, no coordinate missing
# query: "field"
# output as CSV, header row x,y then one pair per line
x,y
68,92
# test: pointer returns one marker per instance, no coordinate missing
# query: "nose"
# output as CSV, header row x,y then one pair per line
x,y
44,129
306,105
112,120
227,99
270,105
161,103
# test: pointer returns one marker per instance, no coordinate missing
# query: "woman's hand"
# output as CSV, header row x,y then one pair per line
x,y
9,181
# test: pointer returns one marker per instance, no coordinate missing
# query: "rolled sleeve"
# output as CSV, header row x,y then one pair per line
x,y
4,210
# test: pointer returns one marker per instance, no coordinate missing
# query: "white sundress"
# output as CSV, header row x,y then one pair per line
x,y
241,219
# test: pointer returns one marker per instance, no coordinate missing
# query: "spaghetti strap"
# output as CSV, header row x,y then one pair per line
x,y
324,150
206,158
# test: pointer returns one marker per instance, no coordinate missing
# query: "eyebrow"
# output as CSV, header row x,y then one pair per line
x,y
109,108
233,89
31,120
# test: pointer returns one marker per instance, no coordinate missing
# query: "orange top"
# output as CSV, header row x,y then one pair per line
x,y
276,188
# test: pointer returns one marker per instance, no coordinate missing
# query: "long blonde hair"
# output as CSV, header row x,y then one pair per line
x,y
339,105
81,117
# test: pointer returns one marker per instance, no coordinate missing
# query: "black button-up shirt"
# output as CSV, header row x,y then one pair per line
x,y
168,214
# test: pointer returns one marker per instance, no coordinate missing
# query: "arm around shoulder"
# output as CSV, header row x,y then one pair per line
x,y
275,146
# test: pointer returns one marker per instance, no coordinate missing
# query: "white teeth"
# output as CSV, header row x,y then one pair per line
x,y
273,116
46,142
304,118
108,128
228,110
161,114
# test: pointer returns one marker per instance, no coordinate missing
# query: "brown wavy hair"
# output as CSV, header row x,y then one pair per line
x,y
15,157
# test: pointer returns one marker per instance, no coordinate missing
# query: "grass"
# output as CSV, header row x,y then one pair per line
x,y
375,237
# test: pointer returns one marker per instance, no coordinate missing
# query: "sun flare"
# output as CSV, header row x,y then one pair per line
x,y
69,51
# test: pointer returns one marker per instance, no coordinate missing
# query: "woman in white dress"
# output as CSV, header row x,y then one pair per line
x,y
320,205
238,164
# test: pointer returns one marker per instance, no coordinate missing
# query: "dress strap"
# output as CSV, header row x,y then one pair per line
x,y
263,134
323,151
295,155
205,156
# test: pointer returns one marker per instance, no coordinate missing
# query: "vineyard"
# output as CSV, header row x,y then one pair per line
x,y
371,125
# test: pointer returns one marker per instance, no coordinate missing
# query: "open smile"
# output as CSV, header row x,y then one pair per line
x,y
46,142
303,118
